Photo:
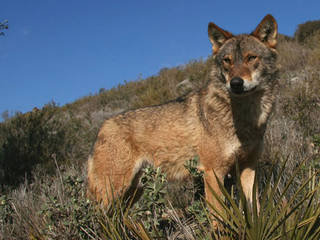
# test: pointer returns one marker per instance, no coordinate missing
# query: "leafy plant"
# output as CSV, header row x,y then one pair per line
x,y
278,218
6,210
152,207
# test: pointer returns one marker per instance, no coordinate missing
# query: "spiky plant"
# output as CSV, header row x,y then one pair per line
x,y
279,218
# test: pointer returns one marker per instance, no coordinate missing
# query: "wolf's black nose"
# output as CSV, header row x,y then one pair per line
x,y
236,85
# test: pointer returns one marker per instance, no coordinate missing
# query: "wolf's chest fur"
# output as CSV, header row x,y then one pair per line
x,y
214,126
232,128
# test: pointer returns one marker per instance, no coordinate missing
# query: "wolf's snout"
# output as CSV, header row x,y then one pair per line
x,y
236,85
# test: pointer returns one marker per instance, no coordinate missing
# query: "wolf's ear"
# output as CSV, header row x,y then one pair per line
x,y
217,36
267,31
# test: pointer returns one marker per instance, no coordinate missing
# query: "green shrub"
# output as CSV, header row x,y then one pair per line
x,y
152,207
67,216
28,140
41,139
6,211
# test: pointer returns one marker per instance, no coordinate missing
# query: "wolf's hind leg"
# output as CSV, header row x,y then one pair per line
x,y
116,185
114,170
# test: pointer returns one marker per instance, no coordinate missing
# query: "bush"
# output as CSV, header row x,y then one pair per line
x,y
305,30
41,139
28,140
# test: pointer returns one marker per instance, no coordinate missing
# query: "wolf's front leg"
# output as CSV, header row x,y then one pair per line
x,y
211,184
247,177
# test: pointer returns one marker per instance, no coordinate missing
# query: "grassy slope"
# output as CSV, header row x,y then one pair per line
x,y
43,203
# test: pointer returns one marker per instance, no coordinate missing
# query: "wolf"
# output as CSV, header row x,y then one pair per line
x,y
223,123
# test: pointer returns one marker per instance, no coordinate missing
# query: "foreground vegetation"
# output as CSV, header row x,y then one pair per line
x,y
43,155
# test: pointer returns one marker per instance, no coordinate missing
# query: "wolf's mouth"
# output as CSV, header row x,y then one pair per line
x,y
242,91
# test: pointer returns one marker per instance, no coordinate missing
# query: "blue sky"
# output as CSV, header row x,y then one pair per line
x,y
62,50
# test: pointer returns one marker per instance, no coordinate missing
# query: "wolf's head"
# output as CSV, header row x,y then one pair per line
x,y
245,63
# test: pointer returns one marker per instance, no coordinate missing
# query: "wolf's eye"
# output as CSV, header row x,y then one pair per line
x,y
251,58
227,60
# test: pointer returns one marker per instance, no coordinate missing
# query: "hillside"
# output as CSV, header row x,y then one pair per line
x,y
43,152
